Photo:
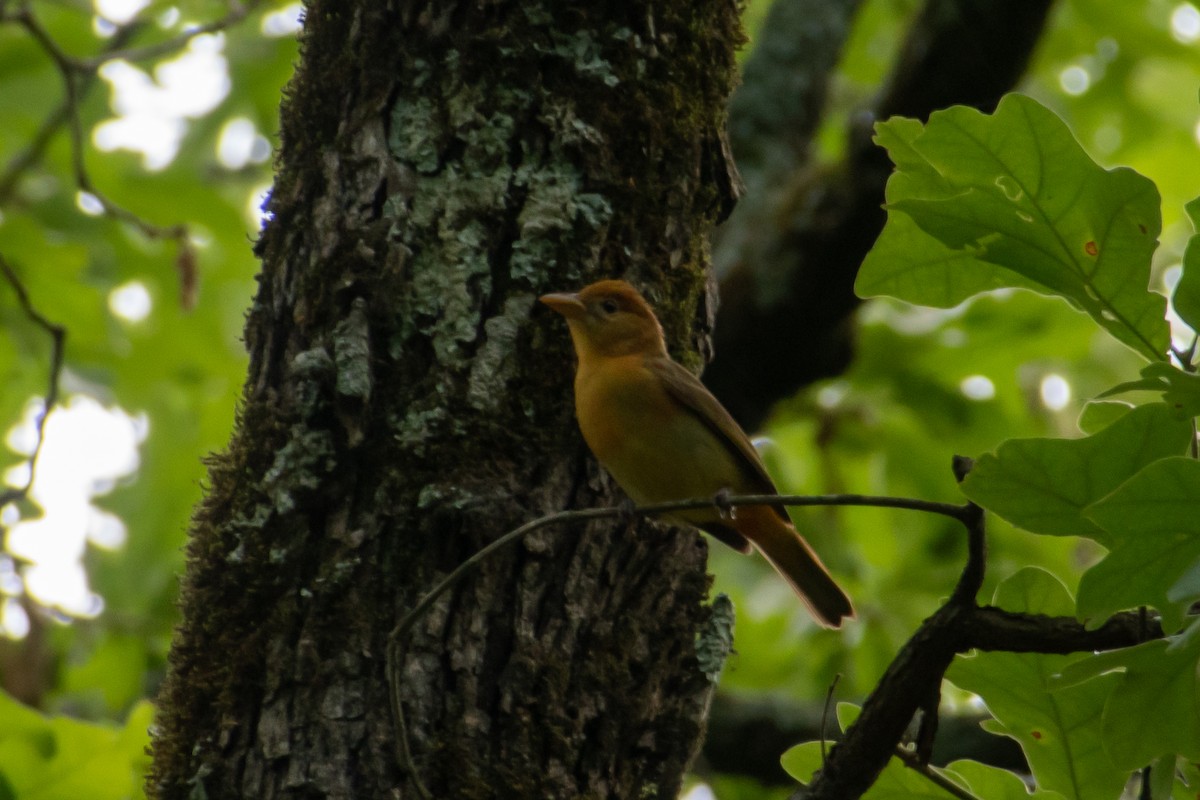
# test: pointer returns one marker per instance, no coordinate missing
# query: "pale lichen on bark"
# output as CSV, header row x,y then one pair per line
x,y
406,404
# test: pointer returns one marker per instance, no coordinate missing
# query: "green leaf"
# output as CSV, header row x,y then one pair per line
x,y
1187,779
1013,197
58,758
896,782
1033,591
802,761
1043,485
994,783
905,261
908,263
847,714
1098,415
1186,298
1154,710
1179,389
1187,588
1152,526
1058,730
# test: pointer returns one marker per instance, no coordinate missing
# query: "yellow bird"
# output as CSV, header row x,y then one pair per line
x,y
664,437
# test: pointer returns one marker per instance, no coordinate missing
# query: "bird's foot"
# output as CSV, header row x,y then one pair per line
x,y
724,507
627,512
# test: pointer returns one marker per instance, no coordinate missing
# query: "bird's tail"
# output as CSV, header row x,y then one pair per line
x,y
795,560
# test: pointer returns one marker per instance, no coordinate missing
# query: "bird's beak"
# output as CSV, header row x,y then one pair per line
x,y
569,305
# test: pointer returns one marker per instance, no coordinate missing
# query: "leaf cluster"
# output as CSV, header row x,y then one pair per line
x,y
1010,201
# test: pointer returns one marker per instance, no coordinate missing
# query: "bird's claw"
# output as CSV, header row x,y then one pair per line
x,y
722,501
627,512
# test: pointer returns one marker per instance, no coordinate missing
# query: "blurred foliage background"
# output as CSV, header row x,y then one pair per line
x,y
153,325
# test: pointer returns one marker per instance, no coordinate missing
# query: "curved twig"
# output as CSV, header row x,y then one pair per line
x,y
722,502
237,13
78,74
58,337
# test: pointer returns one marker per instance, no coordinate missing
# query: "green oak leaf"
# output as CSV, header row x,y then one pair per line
x,y
907,263
1154,709
1186,297
1099,414
1013,200
995,783
1058,728
1043,485
1179,389
56,757
1152,530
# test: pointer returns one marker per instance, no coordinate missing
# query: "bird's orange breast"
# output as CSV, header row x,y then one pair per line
x,y
657,450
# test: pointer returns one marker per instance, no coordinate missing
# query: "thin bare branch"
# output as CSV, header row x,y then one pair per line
x,y
78,74
237,13
32,155
720,502
58,337
825,713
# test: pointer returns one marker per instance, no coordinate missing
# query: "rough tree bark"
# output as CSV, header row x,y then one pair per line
x,y
442,165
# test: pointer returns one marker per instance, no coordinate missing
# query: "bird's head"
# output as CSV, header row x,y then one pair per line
x,y
609,318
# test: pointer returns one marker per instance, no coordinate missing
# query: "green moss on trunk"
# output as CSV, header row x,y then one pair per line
x,y
407,402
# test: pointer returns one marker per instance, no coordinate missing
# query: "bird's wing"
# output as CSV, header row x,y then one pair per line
x,y
686,389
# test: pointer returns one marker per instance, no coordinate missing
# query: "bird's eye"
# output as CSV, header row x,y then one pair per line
x,y
610,306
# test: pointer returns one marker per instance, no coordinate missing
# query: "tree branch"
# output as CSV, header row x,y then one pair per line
x,y
914,762
856,761
32,155
994,629
721,502
58,337
913,679
78,75
237,12
787,257
747,732
915,675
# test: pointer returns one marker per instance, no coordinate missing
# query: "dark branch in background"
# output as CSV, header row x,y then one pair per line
x,y
78,76
915,674
746,734
33,154
58,337
912,681
787,257
237,13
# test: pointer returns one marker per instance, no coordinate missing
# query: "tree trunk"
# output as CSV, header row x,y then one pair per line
x,y
407,401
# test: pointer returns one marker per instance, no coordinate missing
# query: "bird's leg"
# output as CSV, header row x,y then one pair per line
x,y
721,501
